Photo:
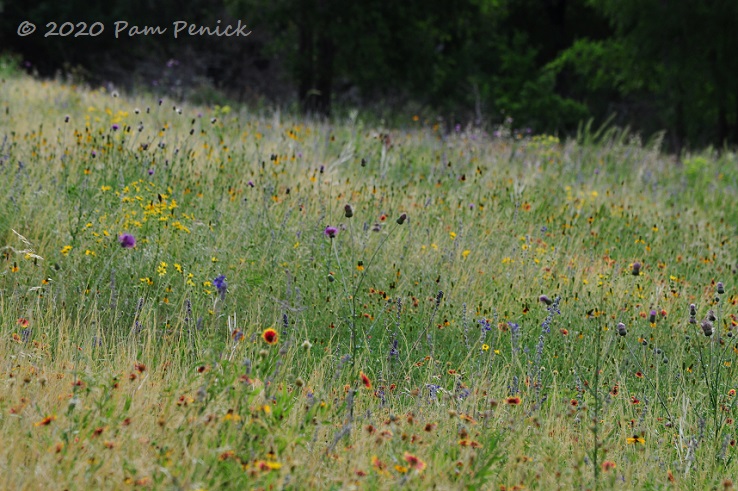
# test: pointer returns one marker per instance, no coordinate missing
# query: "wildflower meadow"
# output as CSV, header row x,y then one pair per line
x,y
205,298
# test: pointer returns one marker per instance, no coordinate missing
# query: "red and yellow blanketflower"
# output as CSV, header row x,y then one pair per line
x,y
270,336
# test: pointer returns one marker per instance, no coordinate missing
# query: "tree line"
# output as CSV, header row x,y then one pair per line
x,y
546,65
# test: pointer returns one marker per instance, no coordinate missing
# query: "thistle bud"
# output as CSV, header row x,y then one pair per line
x,y
706,327
652,317
692,309
545,299
636,268
401,219
621,329
348,211
720,287
711,316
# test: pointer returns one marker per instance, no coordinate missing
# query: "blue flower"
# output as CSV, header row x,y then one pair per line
x,y
220,283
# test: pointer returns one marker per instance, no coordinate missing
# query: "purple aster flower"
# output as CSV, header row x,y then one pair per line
x,y
330,231
127,241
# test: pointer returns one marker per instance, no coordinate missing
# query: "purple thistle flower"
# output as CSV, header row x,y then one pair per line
x,y
330,231
116,127
127,241
151,172
251,184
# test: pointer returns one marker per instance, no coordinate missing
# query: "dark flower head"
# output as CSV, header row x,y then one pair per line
x,y
652,316
706,327
636,268
401,219
349,211
116,127
545,299
330,231
127,241
720,288
621,329
220,283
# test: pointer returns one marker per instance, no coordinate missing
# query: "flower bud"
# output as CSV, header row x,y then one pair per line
x,y
348,211
545,299
652,317
706,327
636,268
401,219
621,329
720,287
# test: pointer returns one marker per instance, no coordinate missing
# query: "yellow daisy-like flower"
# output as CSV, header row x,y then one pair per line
x,y
485,347
66,249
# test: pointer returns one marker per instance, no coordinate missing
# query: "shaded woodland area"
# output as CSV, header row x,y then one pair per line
x,y
547,64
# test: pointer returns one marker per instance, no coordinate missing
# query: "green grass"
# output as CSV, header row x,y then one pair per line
x,y
135,371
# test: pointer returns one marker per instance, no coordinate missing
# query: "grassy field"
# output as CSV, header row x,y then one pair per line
x,y
187,304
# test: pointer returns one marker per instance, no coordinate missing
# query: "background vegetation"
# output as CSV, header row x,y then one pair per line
x,y
546,64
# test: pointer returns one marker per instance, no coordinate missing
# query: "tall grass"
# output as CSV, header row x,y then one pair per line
x,y
240,344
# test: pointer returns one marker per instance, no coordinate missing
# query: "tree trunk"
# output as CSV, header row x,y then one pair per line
x,y
304,65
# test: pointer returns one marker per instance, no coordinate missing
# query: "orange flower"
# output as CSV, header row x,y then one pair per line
x,y
513,401
608,465
23,322
365,380
414,462
270,336
46,421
